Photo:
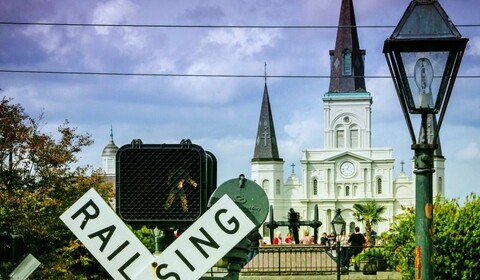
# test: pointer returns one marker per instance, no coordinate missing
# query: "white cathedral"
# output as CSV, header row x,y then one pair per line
x,y
348,170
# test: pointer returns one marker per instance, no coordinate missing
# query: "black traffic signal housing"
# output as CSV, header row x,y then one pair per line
x,y
163,185
11,247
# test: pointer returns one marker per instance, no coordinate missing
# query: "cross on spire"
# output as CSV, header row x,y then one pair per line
x,y
265,72
265,137
266,144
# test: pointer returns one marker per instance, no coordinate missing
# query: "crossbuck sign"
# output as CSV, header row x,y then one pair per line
x,y
120,252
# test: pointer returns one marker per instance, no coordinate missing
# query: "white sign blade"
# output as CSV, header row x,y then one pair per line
x,y
213,235
109,240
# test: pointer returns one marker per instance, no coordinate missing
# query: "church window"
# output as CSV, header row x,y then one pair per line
x,y
440,185
351,227
340,139
379,186
354,138
347,63
347,191
265,185
109,166
315,187
277,187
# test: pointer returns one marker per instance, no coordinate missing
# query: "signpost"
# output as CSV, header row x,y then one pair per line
x,y
213,235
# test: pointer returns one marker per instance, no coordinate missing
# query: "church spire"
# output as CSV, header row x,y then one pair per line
x,y
347,60
111,134
266,143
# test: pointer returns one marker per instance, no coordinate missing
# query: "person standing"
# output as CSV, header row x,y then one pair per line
x,y
288,239
356,242
306,239
324,240
278,238
256,241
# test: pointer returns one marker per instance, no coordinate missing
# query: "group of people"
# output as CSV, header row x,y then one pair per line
x,y
350,245
306,238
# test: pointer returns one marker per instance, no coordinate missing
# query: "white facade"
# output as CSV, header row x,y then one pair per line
x,y
346,171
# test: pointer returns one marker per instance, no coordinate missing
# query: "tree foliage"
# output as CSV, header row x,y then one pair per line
x,y
371,214
456,240
37,184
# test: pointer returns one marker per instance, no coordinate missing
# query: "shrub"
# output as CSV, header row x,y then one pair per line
x,y
456,240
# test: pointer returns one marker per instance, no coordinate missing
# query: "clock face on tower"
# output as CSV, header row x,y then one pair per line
x,y
347,168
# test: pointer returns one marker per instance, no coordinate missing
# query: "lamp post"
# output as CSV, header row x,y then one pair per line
x,y
338,225
423,55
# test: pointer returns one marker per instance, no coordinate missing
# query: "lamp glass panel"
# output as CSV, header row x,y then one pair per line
x,y
424,72
338,228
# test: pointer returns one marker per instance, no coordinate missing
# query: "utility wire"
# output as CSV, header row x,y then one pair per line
x,y
206,26
202,75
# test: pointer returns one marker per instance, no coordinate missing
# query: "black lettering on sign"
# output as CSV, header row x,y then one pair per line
x,y
210,243
233,220
125,265
166,276
108,230
118,250
88,215
185,261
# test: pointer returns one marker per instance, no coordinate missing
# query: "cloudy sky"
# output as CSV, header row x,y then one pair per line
x,y
221,113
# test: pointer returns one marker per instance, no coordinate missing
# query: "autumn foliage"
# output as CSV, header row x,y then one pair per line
x,y
37,184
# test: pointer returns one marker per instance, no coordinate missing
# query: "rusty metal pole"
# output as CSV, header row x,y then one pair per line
x,y
424,170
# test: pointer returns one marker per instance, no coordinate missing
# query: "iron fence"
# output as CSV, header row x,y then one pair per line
x,y
292,260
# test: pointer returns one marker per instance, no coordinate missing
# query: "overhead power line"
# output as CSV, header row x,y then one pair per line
x,y
204,26
199,75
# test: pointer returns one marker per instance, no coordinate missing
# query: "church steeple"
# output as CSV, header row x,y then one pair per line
x,y
108,156
347,60
266,143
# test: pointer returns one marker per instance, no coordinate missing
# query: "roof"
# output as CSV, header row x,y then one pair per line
x,y
266,142
110,149
347,42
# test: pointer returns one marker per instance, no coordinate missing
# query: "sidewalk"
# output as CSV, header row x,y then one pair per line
x,y
381,275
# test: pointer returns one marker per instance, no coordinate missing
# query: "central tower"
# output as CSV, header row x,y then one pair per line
x,y
347,104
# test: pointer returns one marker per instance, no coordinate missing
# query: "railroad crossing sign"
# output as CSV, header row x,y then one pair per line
x,y
109,240
119,251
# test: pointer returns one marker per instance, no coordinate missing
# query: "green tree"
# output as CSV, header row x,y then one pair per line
x,y
456,240
399,243
371,214
37,184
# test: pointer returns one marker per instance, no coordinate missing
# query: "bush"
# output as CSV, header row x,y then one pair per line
x,y
456,240
369,254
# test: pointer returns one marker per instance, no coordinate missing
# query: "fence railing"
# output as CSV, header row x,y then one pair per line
x,y
292,259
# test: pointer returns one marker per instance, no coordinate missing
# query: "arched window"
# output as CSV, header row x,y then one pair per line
x,y
347,63
351,227
379,186
340,138
347,191
277,187
440,185
315,187
354,137
265,185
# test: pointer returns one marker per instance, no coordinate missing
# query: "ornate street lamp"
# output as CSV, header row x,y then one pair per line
x,y
338,225
424,54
